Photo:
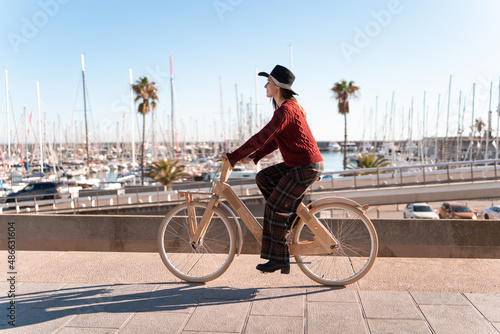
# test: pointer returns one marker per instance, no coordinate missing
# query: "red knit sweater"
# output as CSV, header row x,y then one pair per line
x,y
288,130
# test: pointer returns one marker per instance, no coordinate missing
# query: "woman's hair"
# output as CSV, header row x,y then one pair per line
x,y
288,95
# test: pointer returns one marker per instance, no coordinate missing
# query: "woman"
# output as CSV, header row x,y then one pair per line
x,y
283,185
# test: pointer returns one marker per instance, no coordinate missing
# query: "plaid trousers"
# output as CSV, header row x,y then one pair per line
x,y
283,188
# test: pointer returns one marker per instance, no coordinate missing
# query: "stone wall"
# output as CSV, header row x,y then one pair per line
x,y
397,237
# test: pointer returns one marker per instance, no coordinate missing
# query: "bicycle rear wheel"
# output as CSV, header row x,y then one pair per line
x,y
357,245
210,258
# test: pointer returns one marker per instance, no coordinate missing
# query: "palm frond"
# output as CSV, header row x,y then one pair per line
x,y
167,171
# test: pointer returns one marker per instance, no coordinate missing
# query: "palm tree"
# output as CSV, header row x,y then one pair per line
x,y
343,92
479,126
167,171
370,161
146,91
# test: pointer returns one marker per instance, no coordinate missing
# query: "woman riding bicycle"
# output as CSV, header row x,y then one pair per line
x,y
283,185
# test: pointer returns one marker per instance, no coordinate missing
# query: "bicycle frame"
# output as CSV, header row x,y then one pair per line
x,y
324,241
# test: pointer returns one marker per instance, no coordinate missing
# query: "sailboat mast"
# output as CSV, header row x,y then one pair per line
x,y
174,144
376,125
40,135
25,138
257,118
222,115
8,118
85,111
445,156
498,118
459,149
422,146
437,128
238,116
472,125
448,112
392,128
488,130
132,116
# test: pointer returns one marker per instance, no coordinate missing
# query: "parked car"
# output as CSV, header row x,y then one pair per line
x,y
419,211
456,210
40,190
493,212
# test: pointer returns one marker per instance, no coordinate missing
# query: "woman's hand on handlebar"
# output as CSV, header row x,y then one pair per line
x,y
246,160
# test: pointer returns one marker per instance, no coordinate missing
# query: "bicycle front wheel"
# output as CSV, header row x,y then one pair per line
x,y
204,262
357,245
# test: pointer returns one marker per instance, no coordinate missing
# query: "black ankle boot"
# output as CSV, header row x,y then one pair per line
x,y
272,266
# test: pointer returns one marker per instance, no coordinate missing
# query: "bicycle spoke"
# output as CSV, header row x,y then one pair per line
x,y
357,245
204,261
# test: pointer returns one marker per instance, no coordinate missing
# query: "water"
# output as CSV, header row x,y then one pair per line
x,y
106,176
334,161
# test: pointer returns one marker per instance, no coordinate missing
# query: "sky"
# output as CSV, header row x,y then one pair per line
x,y
396,51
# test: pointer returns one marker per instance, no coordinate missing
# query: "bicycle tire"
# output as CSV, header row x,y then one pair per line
x,y
207,261
358,245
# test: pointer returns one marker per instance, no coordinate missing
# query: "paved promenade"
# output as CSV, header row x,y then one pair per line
x,y
81,292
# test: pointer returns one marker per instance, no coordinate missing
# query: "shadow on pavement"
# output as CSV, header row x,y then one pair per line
x,y
42,306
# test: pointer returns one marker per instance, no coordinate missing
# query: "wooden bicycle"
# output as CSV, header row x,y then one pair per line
x,y
332,239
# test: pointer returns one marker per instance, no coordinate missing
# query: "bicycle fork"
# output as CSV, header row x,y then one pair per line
x,y
197,231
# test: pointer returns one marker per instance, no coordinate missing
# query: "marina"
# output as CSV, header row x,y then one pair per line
x,y
111,167
83,161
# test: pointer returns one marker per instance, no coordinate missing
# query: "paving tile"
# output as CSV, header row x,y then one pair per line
x,y
487,304
329,317
29,289
38,321
331,295
100,320
4,286
497,326
155,322
78,330
279,302
439,298
202,332
228,294
218,317
280,291
180,299
384,326
95,306
389,305
130,289
275,325
29,296
76,295
456,319
48,309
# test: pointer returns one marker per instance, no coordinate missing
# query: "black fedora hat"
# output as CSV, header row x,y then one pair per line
x,y
282,76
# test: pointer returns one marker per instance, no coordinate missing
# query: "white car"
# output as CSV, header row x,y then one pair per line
x,y
419,211
493,212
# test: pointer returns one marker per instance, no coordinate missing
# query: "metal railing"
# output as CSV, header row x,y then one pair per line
x,y
356,179
409,175
100,200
